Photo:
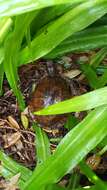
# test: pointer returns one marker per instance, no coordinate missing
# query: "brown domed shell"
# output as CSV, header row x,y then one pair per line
x,y
50,90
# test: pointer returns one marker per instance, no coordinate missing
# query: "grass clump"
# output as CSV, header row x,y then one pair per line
x,y
49,29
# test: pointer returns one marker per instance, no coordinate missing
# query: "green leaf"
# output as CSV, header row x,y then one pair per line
x,y
91,76
12,47
55,32
50,13
12,167
8,175
56,187
1,77
42,145
71,122
84,102
90,38
14,7
74,180
103,78
90,73
101,69
1,69
10,66
5,25
98,57
92,176
72,149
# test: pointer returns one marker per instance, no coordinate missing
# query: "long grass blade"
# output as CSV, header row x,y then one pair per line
x,y
13,167
9,168
84,102
55,32
5,26
50,13
91,75
12,47
87,39
103,79
13,7
42,145
98,57
92,176
1,69
71,150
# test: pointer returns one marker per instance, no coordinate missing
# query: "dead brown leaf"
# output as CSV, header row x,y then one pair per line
x,y
13,122
11,139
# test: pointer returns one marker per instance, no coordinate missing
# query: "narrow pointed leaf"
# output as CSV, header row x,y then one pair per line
x,y
1,69
91,75
5,25
42,145
13,167
55,32
11,62
72,149
13,7
92,176
84,102
88,39
98,57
